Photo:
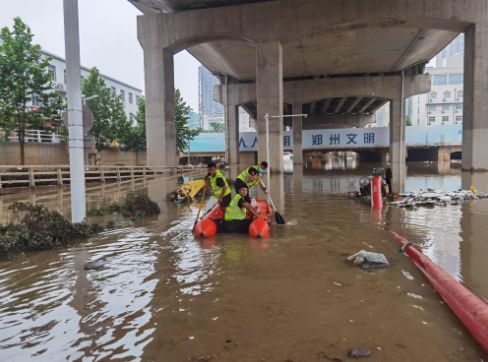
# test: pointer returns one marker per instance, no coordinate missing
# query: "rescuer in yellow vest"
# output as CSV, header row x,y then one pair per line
x,y
235,219
219,186
252,176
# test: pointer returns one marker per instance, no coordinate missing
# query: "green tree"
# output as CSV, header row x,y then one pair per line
x,y
109,119
408,121
27,95
136,139
217,127
183,133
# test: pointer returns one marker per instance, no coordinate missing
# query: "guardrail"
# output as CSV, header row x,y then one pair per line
x,y
35,176
58,198
38,136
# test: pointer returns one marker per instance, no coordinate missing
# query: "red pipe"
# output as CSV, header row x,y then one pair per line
x,y
471,310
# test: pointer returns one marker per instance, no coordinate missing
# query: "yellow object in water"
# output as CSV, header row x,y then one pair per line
x,y
190,189
472,189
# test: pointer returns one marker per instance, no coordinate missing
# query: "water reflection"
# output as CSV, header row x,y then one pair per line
x,y
56,308
427,227
334,160
192,264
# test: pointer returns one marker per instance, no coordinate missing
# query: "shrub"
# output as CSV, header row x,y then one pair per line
x,y
35,227
138,204
102,211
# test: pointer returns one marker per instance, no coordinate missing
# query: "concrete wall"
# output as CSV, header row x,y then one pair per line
x,y
125,158
57,154
35,154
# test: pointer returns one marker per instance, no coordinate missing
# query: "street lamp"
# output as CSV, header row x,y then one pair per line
x,y
188,162
84,99
266,119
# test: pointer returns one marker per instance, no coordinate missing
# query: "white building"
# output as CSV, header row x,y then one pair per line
x,y
382,116
444,103
127,93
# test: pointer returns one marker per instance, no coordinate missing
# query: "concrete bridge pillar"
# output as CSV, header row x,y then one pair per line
x,y
231,134
159,93
397,145
475,122
269,92
443,154
297,134
231,122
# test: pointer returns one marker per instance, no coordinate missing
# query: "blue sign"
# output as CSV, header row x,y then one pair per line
x,y
344,138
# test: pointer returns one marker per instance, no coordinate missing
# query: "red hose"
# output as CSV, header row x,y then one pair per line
x,y
471,310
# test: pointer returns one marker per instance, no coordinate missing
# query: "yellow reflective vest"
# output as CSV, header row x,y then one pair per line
x,y
217,190
233,211
243,177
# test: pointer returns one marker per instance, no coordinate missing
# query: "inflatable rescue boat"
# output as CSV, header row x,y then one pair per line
x,y
259,228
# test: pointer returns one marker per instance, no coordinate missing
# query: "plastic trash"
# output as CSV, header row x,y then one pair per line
x,y
431,198
359,352
369,260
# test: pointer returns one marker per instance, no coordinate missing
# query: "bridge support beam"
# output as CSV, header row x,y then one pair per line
x,y
311,90
475,123
159,89
397,144
297,134
269,92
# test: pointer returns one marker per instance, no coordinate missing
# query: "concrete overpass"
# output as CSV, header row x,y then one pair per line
x,y
267,44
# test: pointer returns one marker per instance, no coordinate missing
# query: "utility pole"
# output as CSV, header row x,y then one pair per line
x,y
75,111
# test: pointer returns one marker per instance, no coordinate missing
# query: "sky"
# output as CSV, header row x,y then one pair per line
x,y
108,39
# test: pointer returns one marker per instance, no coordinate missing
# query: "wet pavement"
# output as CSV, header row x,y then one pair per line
x,y
164,296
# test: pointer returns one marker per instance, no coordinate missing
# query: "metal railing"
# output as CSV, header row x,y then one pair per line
x,y
35,176
38,136
58,198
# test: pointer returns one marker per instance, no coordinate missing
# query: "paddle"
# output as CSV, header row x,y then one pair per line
x,y
200,207
279,219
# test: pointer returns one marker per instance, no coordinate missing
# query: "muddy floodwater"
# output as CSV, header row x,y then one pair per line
x,y
164,296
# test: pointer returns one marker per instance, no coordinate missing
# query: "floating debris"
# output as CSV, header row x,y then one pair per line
x,y
329,357
186,192
94,265
359,352
369,260
414,296
431,198
407,275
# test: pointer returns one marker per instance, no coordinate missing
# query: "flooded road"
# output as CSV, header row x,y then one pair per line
x,y
164,296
